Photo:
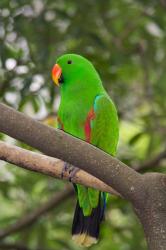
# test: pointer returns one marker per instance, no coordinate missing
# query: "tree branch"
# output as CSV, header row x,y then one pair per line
x,y
58,144
151,163
47,165
30,218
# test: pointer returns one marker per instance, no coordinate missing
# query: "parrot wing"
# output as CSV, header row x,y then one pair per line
x,y
104,125
101,130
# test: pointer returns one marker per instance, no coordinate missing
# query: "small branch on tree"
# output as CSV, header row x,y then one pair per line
x,y
151,163
29,218
47,165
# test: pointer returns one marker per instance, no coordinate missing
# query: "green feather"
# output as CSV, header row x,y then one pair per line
x,y
83,199
93,197
105,130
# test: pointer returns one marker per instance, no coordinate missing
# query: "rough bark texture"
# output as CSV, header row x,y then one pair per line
x,y
152,213
147,193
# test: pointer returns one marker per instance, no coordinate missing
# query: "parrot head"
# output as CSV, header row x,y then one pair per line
x,y
73,69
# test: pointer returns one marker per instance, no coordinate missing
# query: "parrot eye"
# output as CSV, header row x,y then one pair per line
x,y
69,62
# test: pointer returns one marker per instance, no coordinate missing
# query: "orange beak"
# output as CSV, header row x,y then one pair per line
x,y
56,73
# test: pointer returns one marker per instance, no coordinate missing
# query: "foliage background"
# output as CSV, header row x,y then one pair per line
x,y
126,41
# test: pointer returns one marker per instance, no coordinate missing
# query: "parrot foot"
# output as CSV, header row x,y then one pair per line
x,y
72,173
65,168
70,169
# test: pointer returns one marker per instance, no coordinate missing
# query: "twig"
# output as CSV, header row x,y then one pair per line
x,y
151,163
47,165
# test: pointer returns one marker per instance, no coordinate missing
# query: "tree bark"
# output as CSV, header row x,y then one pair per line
x,y
152,213
145,192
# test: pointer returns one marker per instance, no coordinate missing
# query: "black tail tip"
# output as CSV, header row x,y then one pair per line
x,y
85,230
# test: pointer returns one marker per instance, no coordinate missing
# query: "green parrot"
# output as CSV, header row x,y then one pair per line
x,y
87,112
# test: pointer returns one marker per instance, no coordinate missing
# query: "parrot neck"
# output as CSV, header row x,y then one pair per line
x,y
79,94
79,89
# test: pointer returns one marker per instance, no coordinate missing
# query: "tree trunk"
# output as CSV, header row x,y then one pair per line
x,y
152,211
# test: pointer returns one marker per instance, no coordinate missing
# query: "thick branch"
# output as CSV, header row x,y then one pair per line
x,y
30,218
58,144
47,165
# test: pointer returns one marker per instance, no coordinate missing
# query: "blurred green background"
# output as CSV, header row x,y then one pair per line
x,y
126,41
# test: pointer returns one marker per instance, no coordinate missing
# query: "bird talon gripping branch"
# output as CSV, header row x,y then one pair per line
x,y
66,168
72,173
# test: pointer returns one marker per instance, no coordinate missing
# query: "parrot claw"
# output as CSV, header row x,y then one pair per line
x,y
66,167
70,169
72,173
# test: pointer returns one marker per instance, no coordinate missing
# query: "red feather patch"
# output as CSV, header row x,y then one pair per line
x,y
87,127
